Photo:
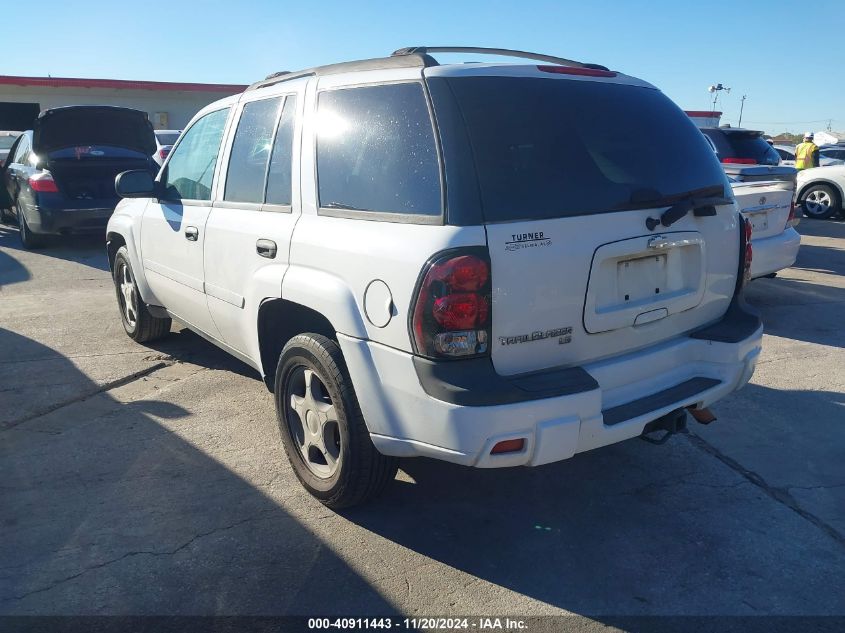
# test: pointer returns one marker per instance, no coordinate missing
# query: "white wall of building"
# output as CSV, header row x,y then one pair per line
x,y
180,106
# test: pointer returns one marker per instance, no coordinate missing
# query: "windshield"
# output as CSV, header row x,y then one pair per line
x,y
167,138
547,148
6,142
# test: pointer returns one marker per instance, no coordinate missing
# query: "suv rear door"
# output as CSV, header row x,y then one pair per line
x,y
569,170
255,209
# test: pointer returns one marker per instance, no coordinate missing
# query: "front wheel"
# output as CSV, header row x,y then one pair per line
x,y
140,325
322,428
820,202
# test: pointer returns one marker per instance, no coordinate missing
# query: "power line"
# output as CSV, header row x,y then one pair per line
x,y
794,122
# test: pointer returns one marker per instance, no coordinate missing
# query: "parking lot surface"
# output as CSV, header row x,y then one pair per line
x,y
150,480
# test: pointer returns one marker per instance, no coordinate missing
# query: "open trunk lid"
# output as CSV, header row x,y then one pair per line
x,y
572,173
81,126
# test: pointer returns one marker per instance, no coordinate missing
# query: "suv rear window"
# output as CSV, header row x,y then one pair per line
x,y
748,145
550,148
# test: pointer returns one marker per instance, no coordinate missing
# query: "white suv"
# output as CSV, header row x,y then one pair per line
x,y
478,263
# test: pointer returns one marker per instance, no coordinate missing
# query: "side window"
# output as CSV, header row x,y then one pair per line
x,y
376,150
21,151
251,151
191,167
279,179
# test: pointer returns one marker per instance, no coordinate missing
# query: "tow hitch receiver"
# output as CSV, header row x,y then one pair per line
x,y
702,416
671,423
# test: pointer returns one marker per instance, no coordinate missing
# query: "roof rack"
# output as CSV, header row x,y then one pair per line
x,y
410,57
415,60
502,52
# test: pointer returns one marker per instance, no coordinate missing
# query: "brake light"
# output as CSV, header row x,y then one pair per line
x,y
43,182
749,254
574,70
451,313
163,152
739,161
790,220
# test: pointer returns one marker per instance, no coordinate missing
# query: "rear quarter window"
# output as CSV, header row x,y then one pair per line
x,y
376,151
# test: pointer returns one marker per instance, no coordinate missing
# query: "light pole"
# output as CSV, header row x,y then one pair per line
x,y
741,106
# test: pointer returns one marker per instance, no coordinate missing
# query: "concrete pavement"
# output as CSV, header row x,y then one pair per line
x,y
150,480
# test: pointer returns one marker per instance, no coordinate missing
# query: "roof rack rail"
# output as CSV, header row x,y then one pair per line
x,y
504,52
395,61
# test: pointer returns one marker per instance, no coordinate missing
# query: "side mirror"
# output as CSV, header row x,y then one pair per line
x,y
137,183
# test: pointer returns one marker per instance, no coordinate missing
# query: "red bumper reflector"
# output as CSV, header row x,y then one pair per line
x,y
508,446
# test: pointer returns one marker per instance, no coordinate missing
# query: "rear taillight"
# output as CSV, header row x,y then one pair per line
x,y
748,253
739,161
43,182
163,152
451,313
790,220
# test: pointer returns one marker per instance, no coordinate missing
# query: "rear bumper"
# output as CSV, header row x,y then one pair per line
x,y
775,253
55,221
626,393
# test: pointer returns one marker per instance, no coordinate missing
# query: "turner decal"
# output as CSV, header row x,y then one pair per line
x,y
519,241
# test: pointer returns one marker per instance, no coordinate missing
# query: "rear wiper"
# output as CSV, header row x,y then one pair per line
x,y
701,207
702,202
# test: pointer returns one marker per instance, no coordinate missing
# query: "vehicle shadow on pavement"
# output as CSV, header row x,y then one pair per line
x,y
89,250
11,270
185,345
630,529
109,508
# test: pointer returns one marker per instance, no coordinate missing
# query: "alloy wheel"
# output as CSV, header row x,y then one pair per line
x,y
312,422
817,202
127,294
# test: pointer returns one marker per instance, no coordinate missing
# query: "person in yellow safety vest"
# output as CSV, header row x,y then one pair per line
x,y
807,153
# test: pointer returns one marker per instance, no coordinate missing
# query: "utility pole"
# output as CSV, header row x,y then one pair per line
x,y
741,106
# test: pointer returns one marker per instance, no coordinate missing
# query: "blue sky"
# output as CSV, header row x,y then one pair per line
x,y
787,57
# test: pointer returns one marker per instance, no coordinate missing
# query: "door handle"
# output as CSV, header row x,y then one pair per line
x,y
192,233
266,248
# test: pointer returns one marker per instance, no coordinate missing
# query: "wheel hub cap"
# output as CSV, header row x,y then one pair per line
x,y
129,302
312,421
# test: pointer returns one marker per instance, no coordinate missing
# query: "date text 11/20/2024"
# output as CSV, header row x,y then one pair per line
x,y
413,624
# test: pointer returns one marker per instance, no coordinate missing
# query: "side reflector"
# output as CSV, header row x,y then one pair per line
x,y
739,161
508,446
573,70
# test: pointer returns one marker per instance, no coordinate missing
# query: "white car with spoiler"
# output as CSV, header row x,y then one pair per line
x,y
766,198
470,262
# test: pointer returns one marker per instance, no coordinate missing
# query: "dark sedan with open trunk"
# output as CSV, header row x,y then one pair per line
x,y
59,177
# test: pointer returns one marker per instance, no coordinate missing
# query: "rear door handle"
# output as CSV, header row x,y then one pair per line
x,y
192,233
266,248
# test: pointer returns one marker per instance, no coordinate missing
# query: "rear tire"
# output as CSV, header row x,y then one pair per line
x,y
29,240
140,325
820,202
322,427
